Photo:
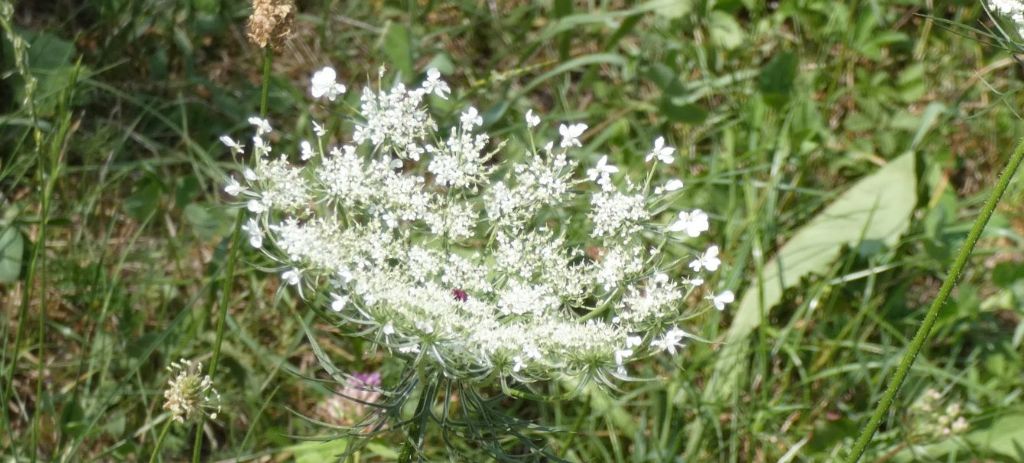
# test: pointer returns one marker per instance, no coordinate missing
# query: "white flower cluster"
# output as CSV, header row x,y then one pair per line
x,y
932,419
1012,9
439,249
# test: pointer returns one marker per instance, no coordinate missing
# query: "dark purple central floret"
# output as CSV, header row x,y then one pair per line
x,y
460,294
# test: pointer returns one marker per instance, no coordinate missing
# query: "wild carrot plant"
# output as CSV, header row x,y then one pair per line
x,y
477,264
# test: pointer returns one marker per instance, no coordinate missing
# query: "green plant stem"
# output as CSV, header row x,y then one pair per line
x,y
229,275
940,301
414,439
160,441
265,91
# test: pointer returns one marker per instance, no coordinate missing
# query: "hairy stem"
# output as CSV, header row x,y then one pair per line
x,y
940,301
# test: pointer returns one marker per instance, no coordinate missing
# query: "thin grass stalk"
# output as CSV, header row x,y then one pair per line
x,y
229,276
23,67
940,301
160,441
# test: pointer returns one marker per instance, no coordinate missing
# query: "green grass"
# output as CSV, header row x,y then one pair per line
x,y
114,244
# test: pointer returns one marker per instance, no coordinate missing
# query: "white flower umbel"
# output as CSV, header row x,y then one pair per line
x,y
443,247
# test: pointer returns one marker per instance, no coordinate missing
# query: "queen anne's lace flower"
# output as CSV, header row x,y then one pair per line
x,y
444,248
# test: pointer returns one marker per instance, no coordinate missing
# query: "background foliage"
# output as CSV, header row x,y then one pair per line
x,y
844,148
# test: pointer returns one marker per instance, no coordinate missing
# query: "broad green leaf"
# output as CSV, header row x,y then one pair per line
x,y
208,222
689,113
47,52
144,200
12,248
776,79
671,9
876,210
725,31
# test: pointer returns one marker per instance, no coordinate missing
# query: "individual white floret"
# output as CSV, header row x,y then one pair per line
x,y
262,125
233,145
708,260
435,85
661,152
532,120
254,232
571,135
324,83
722,299
693,223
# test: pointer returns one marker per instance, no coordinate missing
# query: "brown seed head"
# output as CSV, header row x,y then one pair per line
x,y
270,22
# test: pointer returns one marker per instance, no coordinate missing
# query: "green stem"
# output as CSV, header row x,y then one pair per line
x,y
265,91
225,295
933,312
229,275
160,440
414,439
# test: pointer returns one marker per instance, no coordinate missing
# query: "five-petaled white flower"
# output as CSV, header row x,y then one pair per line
x,y
692,223
602,169
571,134
233,145
708,260
471,118
324,84
435,85
673,338
661,152
532,120
262,125
252,229
307,150
721,299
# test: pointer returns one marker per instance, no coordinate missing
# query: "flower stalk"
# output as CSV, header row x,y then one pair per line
x,y
924,330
